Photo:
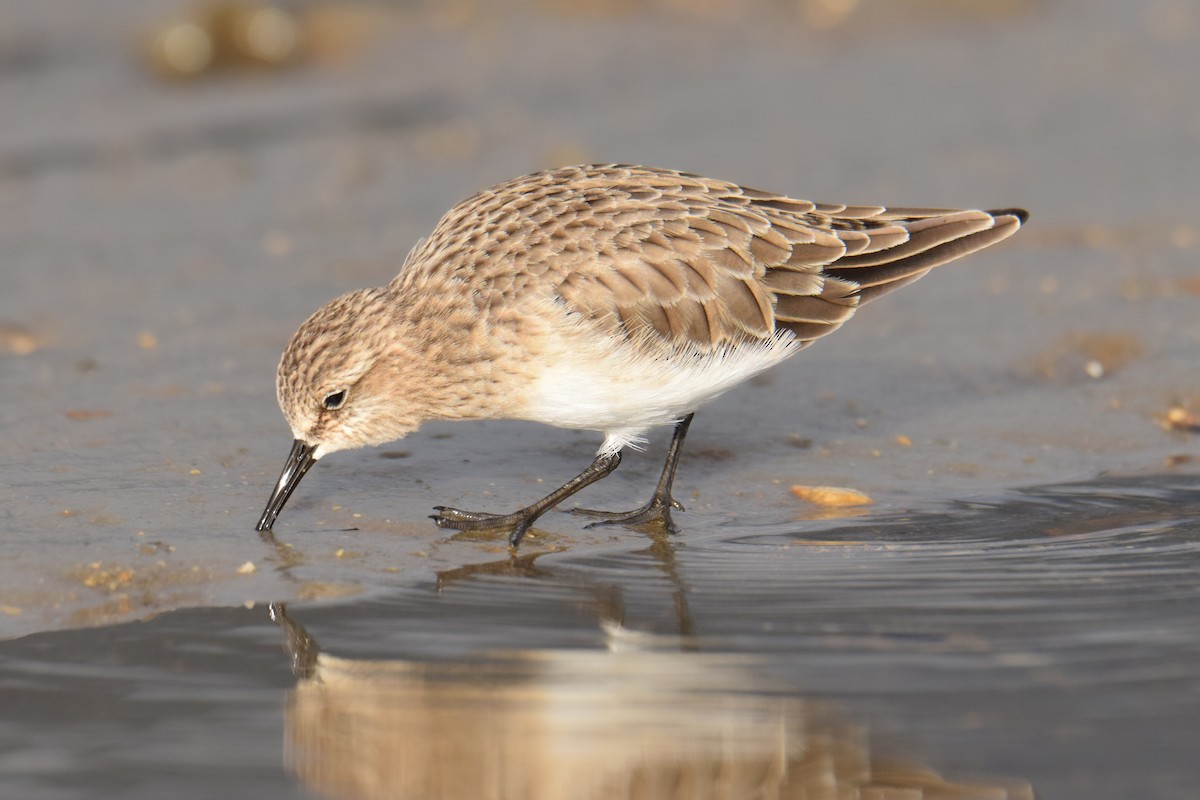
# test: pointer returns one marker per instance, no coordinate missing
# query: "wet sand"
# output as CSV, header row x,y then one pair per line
x,y
1043,643
161,239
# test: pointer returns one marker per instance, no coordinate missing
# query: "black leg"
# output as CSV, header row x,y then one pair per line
x,y
518,522
658,509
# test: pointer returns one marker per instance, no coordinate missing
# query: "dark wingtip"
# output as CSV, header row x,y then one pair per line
x,y
1021,214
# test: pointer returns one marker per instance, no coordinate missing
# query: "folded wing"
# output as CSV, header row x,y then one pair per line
x,y
688,261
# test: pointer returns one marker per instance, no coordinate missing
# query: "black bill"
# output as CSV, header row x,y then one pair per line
x,y
298,463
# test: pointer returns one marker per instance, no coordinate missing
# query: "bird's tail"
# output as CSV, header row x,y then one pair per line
x,y
935,237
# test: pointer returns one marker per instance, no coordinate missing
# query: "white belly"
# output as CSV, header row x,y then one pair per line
x,y
608,385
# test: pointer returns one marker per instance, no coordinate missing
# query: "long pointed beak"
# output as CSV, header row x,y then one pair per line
x,y
298,463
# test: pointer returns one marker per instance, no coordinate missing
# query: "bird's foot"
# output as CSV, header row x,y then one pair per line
x,y
655,512
448,517
515,524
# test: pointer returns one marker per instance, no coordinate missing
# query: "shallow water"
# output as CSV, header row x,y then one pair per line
x,y
1045,640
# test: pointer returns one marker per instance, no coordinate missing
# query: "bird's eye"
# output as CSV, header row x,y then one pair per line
x,y
335,400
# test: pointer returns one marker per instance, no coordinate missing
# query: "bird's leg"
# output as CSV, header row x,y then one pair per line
x,y
519,521
658,508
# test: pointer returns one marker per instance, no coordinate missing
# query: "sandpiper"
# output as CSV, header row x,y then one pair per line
x,y
611,298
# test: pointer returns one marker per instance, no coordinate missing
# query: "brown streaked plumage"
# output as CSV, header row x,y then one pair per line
x,y
612,298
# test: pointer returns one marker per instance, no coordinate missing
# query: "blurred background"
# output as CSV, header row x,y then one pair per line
x,y
182,183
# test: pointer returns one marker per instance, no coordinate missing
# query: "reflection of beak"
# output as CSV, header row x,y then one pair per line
x,y
299,460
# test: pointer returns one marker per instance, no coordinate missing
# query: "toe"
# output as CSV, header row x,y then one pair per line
x,y
518,533
458,515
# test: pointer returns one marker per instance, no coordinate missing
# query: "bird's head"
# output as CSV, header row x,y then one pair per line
x,y
338,386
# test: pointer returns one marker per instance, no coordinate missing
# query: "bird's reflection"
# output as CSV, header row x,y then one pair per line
x,y
606,598
638,720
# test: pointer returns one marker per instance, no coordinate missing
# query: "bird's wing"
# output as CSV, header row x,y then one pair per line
x,y
668,258
690,261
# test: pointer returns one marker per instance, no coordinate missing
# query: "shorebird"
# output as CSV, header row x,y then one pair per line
x,y
611,298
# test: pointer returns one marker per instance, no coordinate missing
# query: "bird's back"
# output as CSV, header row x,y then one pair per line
x,y
669,259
